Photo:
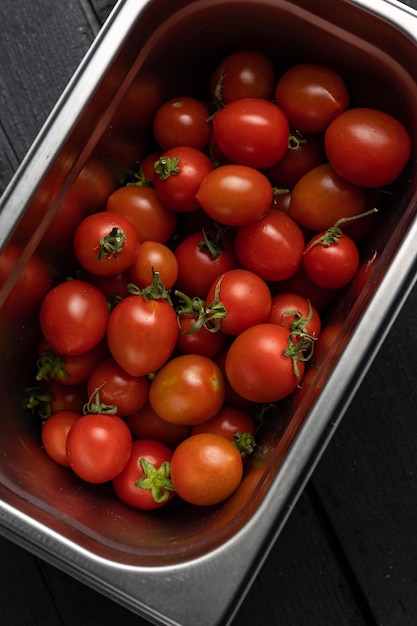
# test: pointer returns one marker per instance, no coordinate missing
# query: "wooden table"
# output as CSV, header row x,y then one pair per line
x,y
348,554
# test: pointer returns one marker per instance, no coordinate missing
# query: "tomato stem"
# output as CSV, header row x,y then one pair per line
x,y
166,167
39,401
95,406
213,243
51,366
332,235
112,244
245,443
156,480
207,317
295,140
155,291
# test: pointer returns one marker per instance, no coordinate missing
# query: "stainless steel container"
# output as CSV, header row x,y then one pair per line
x,y
186,566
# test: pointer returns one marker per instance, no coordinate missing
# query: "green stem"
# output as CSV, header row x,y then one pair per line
x,y
156,480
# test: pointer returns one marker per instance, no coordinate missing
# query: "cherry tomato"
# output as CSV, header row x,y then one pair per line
x,y
148,460
304,153
188,389
202,257
178,174
141,205
118,388
54,435
252,132
31,285
112,286
66,397
322,197
146,424
142,334
331,265
182,121
369,148
258,366
245,296
300,283
201,340
227,422
206,469
271,247
243,74
74,317
235,195
154,257
311,96
106,243
98,447
295,312
68,369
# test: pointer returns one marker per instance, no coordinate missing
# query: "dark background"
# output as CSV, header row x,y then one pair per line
x,y
348,554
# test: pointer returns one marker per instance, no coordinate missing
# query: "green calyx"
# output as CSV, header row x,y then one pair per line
x,y
245,443
208,317
165,167
156,480
112,244
155,291
332,235
51,366
94,405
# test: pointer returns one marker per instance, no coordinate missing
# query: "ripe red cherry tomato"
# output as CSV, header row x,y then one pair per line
x,y
182,122
142,334
245,296
235,195
252,132
333,265
202,257
188,389
148,460
106,243
154,257
271,247
178,174
368,147
206,469
304,153
322,197
311,96
295,312
140,204
54,435
98,447
146,424
118,388
257,365
227,422
74,317
243,74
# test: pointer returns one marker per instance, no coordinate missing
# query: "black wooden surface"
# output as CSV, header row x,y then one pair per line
x,y
348,554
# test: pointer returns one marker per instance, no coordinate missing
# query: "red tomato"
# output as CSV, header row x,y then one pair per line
x,y
188,389
118,388
332,265
54,435
142,334
182,122
145,483
106,243
178,174
271,247
66,397
295,313
31,284
198,340
368,147
304,153
301,284
227,422
252,132
74,317
98,447
154,257
206,469
113,286
243,74
322,197
235,195
146,424
153,220
257,365
311,96
202,257
245,296
68,369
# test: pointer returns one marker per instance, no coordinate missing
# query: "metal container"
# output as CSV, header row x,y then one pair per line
x,y
189,566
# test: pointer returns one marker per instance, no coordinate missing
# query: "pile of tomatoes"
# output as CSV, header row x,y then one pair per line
x,y
199,285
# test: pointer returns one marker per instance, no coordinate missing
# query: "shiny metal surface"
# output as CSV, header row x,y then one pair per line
x,y
188,567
